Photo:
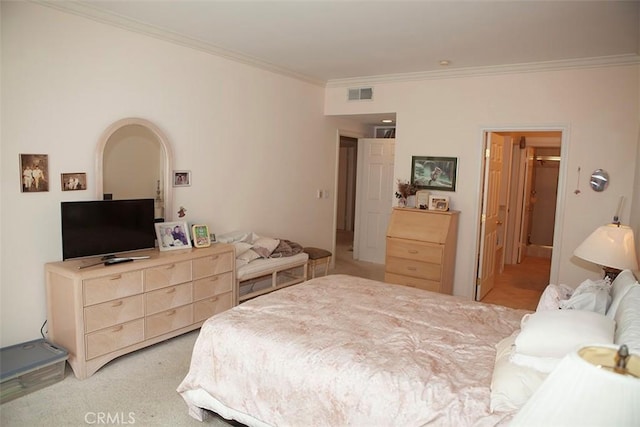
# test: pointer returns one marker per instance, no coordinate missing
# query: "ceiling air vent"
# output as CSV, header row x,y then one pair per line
x,y
361,93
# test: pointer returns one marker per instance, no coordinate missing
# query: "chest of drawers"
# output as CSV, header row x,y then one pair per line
x,y
421,248
102,312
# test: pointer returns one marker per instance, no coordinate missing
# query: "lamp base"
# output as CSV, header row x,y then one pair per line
x,y
611,273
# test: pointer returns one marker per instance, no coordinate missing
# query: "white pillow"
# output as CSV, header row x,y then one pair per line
x,y
511,385
241,248
621,284
235,236
589,295
539,364
552,296
554,333
248,256
264,246
628,319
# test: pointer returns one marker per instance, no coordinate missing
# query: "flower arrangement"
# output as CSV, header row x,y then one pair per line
x,y
405,189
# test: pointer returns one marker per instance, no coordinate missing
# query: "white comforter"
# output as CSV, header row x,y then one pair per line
x,y
340,350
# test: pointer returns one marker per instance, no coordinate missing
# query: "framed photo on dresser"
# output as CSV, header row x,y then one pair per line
x,y
172,235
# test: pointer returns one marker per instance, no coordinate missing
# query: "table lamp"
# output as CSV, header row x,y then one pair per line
x,y
611,246
594,386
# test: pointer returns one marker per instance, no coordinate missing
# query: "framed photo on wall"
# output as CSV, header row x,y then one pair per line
x,y
73,181
181,178
172,235
34,173
434,173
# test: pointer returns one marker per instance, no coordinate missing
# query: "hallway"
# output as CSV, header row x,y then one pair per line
x,y
519,286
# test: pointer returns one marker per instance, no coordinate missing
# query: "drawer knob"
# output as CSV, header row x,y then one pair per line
x,y
214,299
117,328
171,313
171,290
413,251
118,277
117,304
170,266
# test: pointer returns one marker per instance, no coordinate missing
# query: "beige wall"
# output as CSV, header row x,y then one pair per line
x,y
597,108
257,143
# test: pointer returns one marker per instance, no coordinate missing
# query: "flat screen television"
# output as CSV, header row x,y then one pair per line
x,y
106,227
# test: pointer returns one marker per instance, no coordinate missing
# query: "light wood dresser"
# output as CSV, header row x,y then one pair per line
x,y
102,312
421,249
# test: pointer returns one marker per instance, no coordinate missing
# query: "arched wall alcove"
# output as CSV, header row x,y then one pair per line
x,y
134,160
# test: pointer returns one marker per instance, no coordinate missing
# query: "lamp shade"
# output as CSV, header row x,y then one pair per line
x,y
584,390
612,246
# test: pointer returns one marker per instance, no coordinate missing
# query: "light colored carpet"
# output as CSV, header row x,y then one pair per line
x,y
137,389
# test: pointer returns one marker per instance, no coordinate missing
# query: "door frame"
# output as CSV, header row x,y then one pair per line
x,y
560,198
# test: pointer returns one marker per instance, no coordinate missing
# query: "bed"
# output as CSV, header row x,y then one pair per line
x,y
342,350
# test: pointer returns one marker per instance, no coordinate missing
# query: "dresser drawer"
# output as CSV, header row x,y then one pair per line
x,y
112,287
213,285
167,275
415,250
168,321
113,312
427,285
206,308
214,264
114,338
408,267
169,297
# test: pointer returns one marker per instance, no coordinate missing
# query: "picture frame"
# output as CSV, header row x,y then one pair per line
x,y
422,199
34,173
182,178
73,181
172,235
201,237
438,202
434,173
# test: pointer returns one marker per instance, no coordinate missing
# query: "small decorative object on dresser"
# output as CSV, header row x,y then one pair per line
x,y
172,235
438,203
200,235
422,199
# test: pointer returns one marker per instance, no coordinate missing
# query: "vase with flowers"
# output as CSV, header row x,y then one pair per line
x,y
405,190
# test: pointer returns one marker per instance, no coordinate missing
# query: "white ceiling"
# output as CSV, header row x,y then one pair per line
x,y
333,39
328,41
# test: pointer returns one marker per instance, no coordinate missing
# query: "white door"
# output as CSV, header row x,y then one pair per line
x,y
490,220
374,198
527,206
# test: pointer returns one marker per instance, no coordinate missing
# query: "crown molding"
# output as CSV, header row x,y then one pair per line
x,y
89,11
530,67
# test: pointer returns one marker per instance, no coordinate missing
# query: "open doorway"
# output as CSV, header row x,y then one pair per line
x,y
346,196
519,212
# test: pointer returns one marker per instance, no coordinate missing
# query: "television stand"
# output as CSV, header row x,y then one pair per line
x,y
101,313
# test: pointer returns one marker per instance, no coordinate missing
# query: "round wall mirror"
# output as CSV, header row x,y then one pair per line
x,y
599,180
133,161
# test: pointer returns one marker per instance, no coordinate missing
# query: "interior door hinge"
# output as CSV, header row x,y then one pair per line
x,y
487,153
483,218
